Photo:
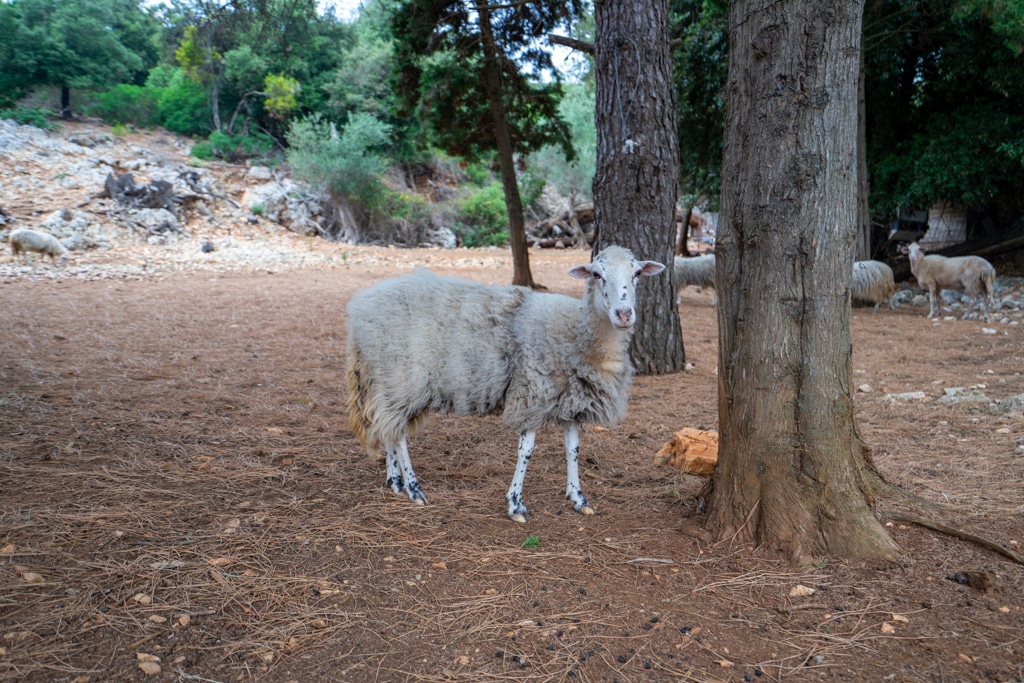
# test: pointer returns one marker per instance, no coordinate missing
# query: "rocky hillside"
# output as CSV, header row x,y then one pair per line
x,y
223,217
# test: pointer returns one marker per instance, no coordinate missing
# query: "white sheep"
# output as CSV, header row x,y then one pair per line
x,y
423,343
698,271
971,274
873,282
25,240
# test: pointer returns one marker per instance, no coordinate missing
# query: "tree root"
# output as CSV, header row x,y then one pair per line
x,y
957,533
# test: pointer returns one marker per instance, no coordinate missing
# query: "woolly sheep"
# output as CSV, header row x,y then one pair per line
x,y
972,274
423,343
698,271
873,282
25,240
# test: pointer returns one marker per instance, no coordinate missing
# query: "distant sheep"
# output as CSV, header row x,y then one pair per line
x,y
874,283
24,240
698,271
971,274
424,343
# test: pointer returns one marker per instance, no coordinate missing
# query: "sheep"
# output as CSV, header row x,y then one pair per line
x,y
873,282
424,343
696,270
25,240
972,274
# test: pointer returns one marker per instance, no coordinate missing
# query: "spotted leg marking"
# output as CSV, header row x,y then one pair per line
x,y
573,492
516,509
412,484
394,480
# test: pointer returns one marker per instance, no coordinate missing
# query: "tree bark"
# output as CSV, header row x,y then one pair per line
x,y
637,175
509,184
793,474
65,103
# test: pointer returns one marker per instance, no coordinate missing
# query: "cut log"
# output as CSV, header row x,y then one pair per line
x,y
692,451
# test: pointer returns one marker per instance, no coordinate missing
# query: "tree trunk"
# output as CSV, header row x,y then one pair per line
x,y
509,184
637,175
65,103
792,472
864,247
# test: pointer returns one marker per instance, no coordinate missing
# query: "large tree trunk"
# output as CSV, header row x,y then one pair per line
x,y
509,184
637,176
65,103
792,472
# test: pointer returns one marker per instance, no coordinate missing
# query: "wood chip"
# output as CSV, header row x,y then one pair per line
x,y
220,561
142,599
800,591
157,619
888,628
150,668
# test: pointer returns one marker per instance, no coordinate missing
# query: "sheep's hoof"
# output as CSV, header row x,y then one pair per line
x,y
419,501
587,510
518,517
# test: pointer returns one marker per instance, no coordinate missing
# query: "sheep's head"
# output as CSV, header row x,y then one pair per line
x,y
611,286
914,251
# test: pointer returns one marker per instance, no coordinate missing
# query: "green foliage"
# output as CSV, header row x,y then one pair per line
x,y
532,542
30,117
346,163
281,92
244,68
73,43
701,66
128,104
119,130
574,177
233,147
184,106
258,209
196,58
482,218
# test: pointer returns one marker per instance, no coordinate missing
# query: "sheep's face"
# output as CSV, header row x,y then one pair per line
x,y
914,252
611,283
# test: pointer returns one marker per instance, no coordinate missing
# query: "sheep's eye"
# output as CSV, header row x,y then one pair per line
x,y
597,275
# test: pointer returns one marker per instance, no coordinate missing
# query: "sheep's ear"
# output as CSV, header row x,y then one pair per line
x,y
581,272
650,267
904,249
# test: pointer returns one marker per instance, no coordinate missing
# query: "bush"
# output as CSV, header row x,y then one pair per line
x,y
128,104
346,163
233,147
483,219
30,117
184,107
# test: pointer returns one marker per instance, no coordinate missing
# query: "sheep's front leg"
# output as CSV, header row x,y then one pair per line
x,y
405,473
573,492
516,509
394,480
935,299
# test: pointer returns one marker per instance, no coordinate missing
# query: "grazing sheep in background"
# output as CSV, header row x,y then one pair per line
x,y
25,240
873,282
424,343
698,271
971,274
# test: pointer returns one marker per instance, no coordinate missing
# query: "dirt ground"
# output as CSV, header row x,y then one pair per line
x,y
180,493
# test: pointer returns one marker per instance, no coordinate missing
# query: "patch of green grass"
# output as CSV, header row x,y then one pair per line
x,y
532,542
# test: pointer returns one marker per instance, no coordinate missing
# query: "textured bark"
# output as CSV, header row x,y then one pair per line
x,y
510,186
637,175
792,472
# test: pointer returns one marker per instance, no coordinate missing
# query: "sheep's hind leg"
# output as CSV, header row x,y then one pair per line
x,y
573,492
411,484
516,509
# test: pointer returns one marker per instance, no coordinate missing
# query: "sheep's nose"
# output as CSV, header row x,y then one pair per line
x,y
624,316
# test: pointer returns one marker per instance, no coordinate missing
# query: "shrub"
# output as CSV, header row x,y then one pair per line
x,y
128,104
30,117
483,220
184,107
233,147
345,163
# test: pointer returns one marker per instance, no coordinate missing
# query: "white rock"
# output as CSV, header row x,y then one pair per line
x,y
864,388
987,330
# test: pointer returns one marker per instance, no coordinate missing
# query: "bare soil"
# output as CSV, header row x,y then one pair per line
x,y
179,490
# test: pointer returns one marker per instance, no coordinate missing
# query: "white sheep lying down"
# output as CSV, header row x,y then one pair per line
x,y
25,240
423,343
971,274
698,271
873,282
